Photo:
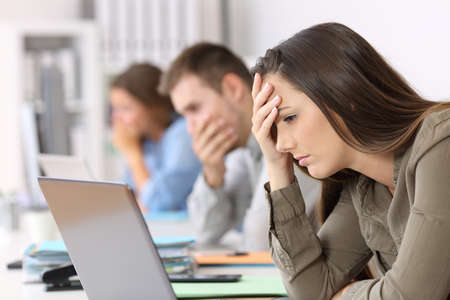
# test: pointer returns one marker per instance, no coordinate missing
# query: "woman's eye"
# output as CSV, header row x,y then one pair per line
x,y
289,118
193,108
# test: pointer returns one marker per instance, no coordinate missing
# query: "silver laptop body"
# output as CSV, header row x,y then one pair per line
x,y
107,239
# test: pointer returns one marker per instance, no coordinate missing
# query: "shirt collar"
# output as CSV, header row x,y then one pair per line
x,y
364,183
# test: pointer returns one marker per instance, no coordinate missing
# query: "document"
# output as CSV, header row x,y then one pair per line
x,y
248,286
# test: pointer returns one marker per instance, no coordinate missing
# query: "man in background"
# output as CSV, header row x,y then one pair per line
x,y
211,87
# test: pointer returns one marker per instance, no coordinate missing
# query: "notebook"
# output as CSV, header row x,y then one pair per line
x,y
252,258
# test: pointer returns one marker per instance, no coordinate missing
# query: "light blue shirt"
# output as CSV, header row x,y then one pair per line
x,y
173,167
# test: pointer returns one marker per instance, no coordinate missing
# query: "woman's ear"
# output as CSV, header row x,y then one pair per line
x,y
233,87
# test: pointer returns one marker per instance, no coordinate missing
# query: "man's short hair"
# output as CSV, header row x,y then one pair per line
x,y
210,62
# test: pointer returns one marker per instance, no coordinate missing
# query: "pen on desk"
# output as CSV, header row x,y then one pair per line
x,y
17,264
238,253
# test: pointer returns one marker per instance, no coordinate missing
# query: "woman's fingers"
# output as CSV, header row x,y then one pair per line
x,y
262,97
264,111
257,81
268,122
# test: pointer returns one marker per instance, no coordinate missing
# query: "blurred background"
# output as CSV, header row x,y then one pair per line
x,y
57,58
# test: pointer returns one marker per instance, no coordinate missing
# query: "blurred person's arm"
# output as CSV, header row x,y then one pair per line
x,y
214,211
170,185
128,142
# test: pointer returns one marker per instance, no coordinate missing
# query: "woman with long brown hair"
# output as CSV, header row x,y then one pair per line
x,y
153,139
326,100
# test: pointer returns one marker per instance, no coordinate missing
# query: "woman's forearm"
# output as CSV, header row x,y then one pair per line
x,y
315,266
139,171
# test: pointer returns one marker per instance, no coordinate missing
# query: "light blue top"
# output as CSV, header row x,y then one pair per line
x,y
173,167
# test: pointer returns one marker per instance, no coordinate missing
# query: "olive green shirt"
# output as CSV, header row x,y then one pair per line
x,y
408,234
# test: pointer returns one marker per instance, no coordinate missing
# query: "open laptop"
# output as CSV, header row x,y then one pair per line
x,y
64,166
107,239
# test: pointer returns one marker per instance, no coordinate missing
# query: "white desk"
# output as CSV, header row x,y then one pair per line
x,y
12,287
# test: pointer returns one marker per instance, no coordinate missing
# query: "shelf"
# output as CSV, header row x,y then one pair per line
x,y
82,99
75,106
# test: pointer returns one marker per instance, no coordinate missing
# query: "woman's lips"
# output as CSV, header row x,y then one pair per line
x,y
302,160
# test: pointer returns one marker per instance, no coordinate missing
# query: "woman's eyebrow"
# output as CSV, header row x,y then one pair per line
x,y
283,107
280,116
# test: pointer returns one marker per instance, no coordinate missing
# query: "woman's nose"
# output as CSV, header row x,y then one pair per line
x,y
284,143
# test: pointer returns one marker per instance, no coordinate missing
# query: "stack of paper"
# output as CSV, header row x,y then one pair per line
x,y
174,254
42,256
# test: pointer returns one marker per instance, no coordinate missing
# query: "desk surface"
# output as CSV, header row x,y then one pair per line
x,y
13,244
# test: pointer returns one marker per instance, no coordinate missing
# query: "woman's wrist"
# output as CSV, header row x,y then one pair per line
x,y
138,169
280,175
133,153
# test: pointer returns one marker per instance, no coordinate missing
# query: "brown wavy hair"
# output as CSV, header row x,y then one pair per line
x,y
369,105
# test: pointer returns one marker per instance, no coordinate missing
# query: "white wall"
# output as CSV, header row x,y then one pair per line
x,y
413,35
36,9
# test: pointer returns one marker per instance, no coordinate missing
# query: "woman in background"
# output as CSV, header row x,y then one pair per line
x,y
162,167
327,100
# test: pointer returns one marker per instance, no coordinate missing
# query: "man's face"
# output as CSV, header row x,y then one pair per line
x,y
200,103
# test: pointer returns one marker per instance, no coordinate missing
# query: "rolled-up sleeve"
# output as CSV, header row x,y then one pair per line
x,y
314,266
169,189
210,211
169,186
215,211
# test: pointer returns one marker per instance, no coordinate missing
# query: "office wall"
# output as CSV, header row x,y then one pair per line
x,y
32,9
413,35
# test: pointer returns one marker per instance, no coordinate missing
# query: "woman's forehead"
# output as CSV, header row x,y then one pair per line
x,y
282,87
279,82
